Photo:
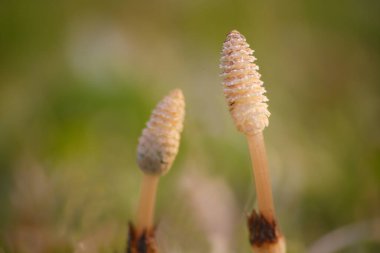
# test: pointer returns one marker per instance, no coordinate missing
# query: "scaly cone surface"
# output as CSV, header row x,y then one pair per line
x,y
159,142
243,88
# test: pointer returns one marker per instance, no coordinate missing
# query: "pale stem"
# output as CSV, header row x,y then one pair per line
x,y
145,210
278,247
261,173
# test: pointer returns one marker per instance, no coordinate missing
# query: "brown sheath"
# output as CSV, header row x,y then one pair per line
x,y
141,243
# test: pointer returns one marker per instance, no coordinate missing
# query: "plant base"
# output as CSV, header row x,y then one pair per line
x,y
144,242
264,235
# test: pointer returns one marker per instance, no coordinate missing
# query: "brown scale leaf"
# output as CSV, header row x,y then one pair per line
x,y
262,232
143,243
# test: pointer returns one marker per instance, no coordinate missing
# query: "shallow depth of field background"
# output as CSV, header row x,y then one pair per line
x,y
78,80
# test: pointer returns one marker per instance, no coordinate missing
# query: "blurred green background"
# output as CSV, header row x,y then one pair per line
x,y
80,78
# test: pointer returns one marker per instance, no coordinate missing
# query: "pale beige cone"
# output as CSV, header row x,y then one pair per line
x,y
243,88
159,142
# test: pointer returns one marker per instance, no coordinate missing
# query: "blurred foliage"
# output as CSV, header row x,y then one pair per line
x,y
78,80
